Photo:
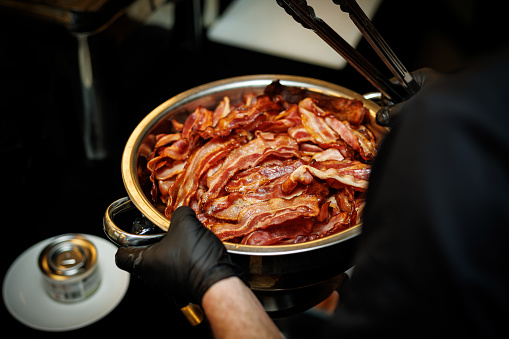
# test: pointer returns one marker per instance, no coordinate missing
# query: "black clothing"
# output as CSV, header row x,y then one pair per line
x,y
435,243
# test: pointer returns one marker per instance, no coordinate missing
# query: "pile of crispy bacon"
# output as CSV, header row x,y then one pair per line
x,y
286,166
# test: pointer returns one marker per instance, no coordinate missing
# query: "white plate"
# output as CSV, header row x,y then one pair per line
x,y
26,300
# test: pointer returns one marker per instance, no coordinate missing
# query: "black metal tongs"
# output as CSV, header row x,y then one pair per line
x,y
305,15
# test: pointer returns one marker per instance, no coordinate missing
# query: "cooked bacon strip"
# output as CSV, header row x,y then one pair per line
x,y
247,156
358,170
324,212
300,134
248,98
156,160
344,130
240,117
281,125
362,143
360,203
178,126
265,213
164,186
199,120
347,203
182,146
316,127
155,163
167,171
153,166
312,149
274,234
283,121
179,150
300,175
346,172
336,223
222,110
345,199
328,154
198,163
228,207
255,177
351,110
366,141
318,189
310,105
292,113
165,139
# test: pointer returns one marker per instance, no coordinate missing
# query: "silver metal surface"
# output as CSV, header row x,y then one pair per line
x,y
119,236
70,268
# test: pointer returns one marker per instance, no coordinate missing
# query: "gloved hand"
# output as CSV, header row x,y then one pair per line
x,y
388,115
185,263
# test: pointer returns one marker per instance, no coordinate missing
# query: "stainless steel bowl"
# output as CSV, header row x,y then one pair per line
x,y
284,277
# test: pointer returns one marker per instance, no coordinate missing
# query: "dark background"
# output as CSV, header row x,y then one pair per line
x,y
49,187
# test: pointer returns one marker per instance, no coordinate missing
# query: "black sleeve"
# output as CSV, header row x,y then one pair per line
x,y
435,242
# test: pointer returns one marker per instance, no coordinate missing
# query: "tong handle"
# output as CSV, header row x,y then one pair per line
x,y
377,42
304,14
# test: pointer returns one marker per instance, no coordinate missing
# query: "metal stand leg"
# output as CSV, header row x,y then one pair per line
x,y
93,115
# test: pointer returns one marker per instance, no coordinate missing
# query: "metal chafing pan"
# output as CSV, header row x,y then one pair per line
x,y
286,278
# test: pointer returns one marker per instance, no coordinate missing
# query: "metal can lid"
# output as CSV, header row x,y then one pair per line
x,y
67,256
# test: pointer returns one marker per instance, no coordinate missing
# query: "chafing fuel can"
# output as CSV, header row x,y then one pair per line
x,y
69,267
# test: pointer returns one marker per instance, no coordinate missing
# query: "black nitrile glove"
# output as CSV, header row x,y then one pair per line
x,y
388,115
185,263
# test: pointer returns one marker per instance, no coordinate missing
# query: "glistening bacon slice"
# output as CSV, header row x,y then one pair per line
x,y
283,121
167,171
289,230
198,163
360,140
366,141
266,213
328,154
165,139
177,146
179,150
351,110
228,207
359,171
316,127
242,116
337,173
222,110
255,177
247,156
300,134
199,120
336,223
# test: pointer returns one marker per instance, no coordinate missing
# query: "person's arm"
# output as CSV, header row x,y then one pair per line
x,y
191,264
234,311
